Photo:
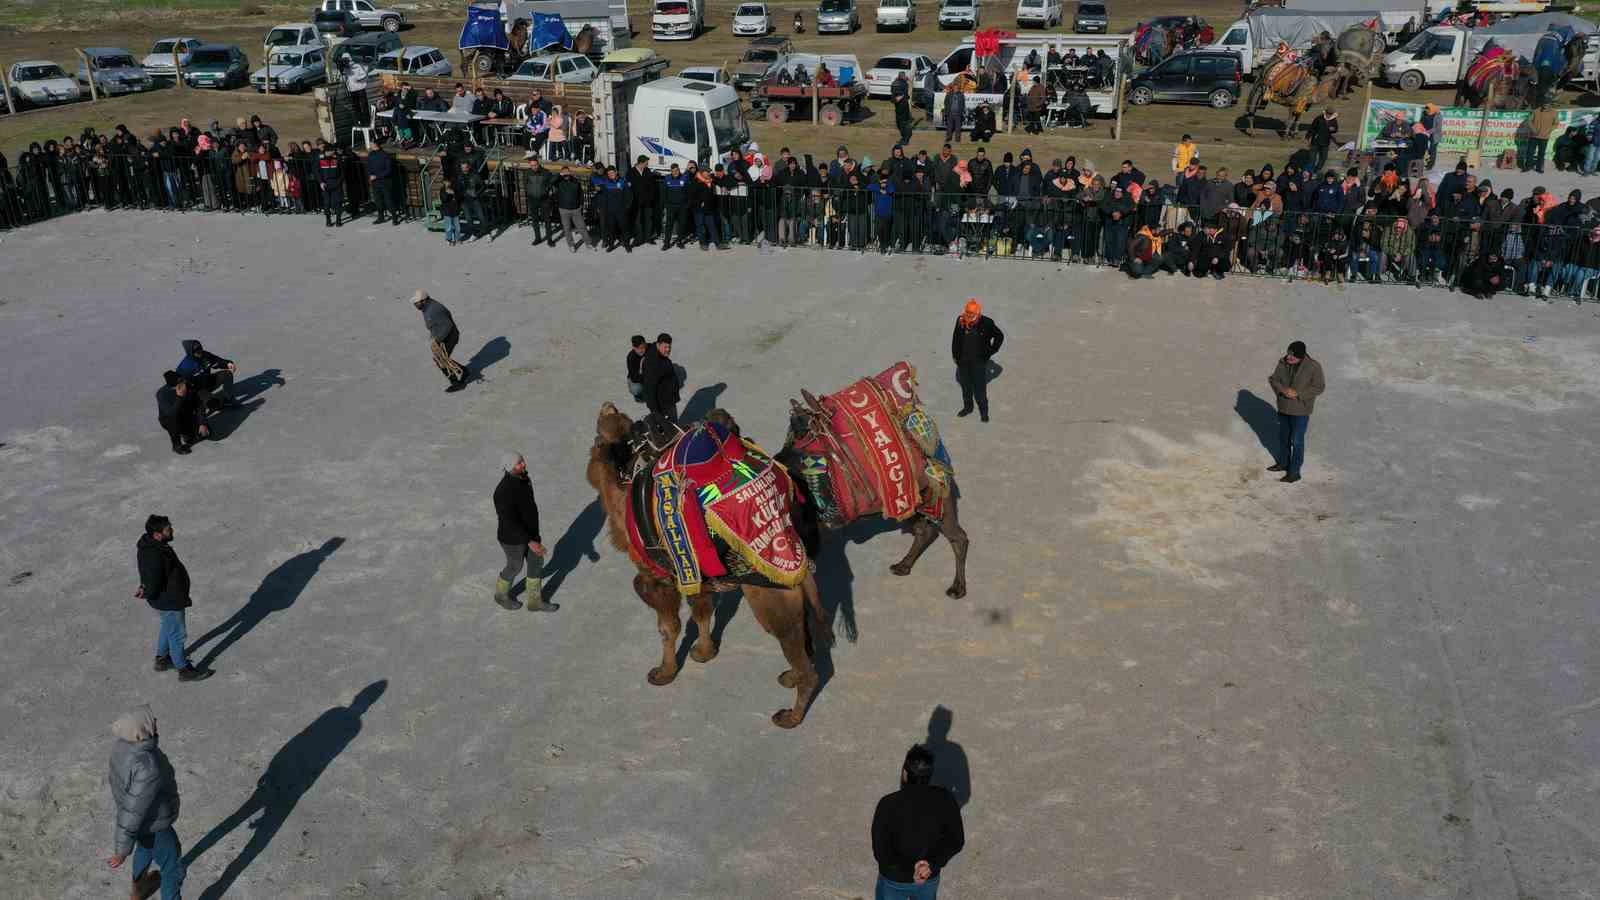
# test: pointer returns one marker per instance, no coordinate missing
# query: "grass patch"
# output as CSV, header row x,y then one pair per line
x,y
29,14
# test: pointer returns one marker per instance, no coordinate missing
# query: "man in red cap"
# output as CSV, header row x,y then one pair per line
x,y
975,340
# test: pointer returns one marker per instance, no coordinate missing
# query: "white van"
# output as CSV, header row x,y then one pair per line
x,y
1039,13
675,120
678,20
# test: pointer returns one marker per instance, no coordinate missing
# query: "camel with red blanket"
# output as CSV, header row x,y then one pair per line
x,y
872,449
705,511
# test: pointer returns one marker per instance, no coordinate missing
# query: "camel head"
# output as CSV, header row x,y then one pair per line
x,y
724,418
612,446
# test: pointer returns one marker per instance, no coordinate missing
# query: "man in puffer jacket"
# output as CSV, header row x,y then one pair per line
x,y
144,792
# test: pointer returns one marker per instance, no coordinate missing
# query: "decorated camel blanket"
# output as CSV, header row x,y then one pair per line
x,y
717,506
881,440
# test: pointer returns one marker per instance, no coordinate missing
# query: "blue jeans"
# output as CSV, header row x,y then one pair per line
x,y
452,228
1369,269
174,188
901,890
163,849
1292,438
173,635
1591,159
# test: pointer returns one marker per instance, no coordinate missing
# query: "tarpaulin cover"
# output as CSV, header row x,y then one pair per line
x,y
484,29
549,30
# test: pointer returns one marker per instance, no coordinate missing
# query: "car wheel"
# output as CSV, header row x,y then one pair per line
x,y
391,24
1221,98
1140,96
1412,81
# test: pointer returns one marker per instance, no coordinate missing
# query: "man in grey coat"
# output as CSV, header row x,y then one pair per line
x,y
443,336
955,114
1297,381
144,792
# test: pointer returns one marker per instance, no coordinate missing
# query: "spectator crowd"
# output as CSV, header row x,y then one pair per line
x,y
1304,221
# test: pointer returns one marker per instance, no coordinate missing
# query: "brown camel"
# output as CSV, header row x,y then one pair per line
x,y
1291,85
782,612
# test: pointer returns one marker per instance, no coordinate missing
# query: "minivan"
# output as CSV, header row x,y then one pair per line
x,y
1038,13
1214,77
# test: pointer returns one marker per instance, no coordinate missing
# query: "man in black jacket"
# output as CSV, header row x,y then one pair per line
x,y
380,171
646,190
207,374
915,831
179,414
660,378
330,175
975,340
569,203
517,530
164,584
636,355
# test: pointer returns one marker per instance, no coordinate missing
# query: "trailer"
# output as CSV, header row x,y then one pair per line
x,y
836,103
1256,36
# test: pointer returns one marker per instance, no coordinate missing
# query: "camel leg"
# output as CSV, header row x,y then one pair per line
x,y
922,534
957,536
665,600
701,609
782,613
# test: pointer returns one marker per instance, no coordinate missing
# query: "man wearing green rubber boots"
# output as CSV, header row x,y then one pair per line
x,y
518,533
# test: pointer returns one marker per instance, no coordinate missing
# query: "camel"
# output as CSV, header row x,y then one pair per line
x,y
1289,84
782,612
809,419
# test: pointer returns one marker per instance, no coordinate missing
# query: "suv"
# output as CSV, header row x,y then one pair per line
x,y
758,58
958,14
367,14
1092,16
1214,77
220,66
901,14
838,15
292,69
1039,13
336,23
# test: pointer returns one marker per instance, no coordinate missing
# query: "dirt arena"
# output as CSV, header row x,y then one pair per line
x,y
1173,676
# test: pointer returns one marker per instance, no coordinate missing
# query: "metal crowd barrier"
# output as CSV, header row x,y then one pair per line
x,y
1287,244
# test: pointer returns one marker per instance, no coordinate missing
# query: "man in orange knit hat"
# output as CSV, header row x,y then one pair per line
x,y
975,340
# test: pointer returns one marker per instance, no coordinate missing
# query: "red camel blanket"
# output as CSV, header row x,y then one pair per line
x,y
865,418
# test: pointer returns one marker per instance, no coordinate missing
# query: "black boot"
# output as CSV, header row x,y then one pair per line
x,y
163,663
190,673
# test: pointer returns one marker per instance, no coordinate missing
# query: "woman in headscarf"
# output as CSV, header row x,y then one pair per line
x,y
144,792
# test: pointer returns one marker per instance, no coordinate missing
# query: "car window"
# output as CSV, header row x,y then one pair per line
x,y
583,64
1212,66
960,59
34,73
566,67
924,63
115,62
680,126
363,6
1178,65
672,8
1235,38
834,6
749,10
893,62
389,64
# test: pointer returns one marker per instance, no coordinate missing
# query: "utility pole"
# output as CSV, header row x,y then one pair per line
x,y
88,66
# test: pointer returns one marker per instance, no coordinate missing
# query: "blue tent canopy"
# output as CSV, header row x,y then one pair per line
x,y
549,30
484,29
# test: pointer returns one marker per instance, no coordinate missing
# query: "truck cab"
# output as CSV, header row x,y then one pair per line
x,y
1431,57
675,120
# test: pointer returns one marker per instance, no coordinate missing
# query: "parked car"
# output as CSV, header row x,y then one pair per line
x,y
901,14
958,14
759,57
626,58
708,74
880,78
368,14
292,69
1038,13
1091,18
166,55
294,34
40,82
220,66
415,61
115,72
752,19
567,68
838,15
332,23
1215,77
364,49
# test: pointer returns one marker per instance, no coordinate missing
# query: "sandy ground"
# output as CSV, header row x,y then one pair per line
x,y
1173,677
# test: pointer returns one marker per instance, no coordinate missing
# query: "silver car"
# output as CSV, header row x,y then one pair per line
x,y
116,72
838,15
291,69
40,82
